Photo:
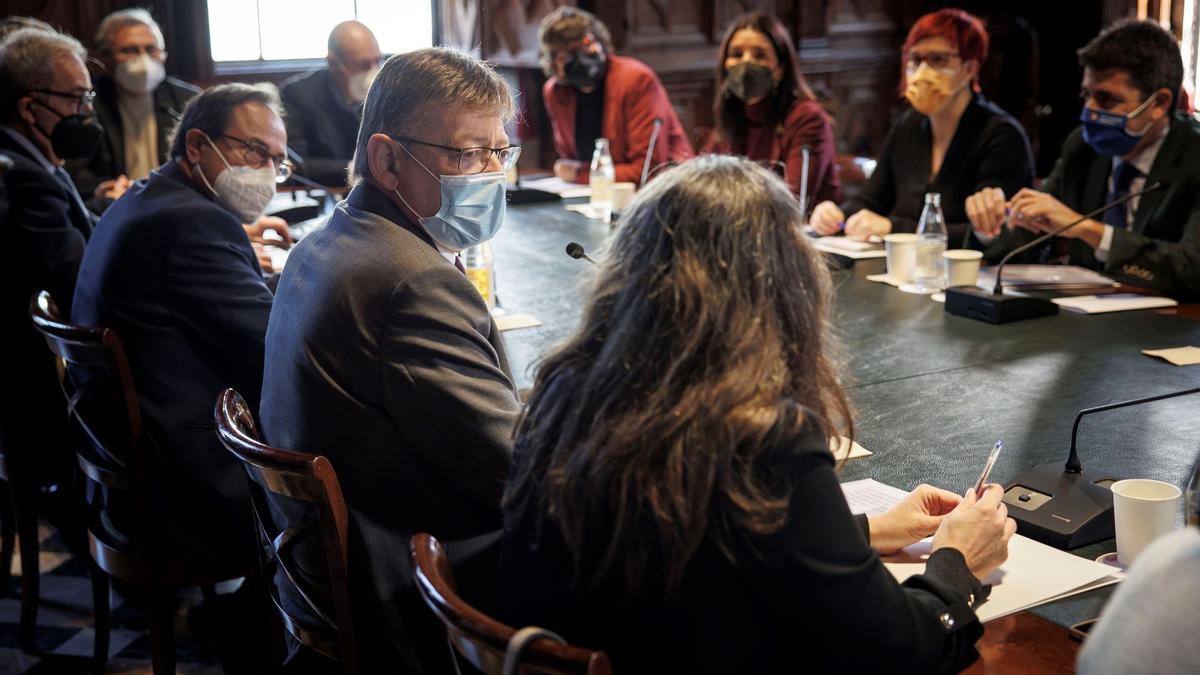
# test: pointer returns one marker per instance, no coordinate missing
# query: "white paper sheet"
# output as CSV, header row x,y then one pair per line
x,y
1115,302
506,322
1179,356
1044,276
1034,573
837,446
558,186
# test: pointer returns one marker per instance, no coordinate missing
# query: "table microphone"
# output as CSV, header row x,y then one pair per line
x,y
1069,506
996,307
576,251
650,150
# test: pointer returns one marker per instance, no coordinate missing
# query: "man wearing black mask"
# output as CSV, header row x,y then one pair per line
x,y
45,118
592,93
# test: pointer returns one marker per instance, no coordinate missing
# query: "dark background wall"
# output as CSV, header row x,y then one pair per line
x,y
849,50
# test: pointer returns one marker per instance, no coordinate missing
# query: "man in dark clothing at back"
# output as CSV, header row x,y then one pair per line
x,y
324,105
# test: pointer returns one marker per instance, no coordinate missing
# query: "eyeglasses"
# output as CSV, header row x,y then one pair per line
x,y
82,99
257,155
913,60
473,160
134,51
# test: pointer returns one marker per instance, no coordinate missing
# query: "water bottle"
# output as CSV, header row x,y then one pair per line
x,y
1191,507
480,268
931,244
602,176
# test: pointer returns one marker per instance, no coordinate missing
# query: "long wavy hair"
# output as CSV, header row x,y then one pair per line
x,y
703,344
728,110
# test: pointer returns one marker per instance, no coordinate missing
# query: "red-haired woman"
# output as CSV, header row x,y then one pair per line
x,y
953,141
764,109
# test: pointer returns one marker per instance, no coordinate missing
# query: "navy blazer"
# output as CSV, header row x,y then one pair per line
x,y
321,128
384,358
174,274
42,239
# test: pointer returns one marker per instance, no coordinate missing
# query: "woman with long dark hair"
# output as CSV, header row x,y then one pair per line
x,y
765,110
674,500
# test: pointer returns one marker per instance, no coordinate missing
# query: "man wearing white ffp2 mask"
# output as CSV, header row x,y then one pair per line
x,y
136,103
324,105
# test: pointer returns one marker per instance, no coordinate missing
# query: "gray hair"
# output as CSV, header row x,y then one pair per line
x,y
416,86
27,62
119,20
210,111
12,24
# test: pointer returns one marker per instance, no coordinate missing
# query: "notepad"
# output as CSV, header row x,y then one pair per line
x,y
1034,573
1116,302
857,250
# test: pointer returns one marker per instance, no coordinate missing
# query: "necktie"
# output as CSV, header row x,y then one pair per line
x,y
458,263
1122,179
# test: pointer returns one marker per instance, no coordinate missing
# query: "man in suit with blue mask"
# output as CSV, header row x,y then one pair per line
x,y
1130,138
382,355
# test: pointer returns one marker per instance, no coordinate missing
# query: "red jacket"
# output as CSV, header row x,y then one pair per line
x,y
633,97
805,124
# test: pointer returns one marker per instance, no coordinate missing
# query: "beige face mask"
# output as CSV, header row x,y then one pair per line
x,y
929,89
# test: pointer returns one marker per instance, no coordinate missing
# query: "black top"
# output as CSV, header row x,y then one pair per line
x,y
321,126
989,149
812,596
589,121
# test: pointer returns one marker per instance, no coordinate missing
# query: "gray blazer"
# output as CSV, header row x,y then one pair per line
x,y
383,357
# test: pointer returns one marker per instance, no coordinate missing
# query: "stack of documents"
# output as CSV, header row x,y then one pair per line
x,y
558,186
1034,573
857,250
1113,302
1042,277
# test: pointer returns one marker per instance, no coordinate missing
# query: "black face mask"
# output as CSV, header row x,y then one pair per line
x,y
749,81
74,136
583,71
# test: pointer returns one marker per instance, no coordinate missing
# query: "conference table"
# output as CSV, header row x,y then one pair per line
x,y
933,392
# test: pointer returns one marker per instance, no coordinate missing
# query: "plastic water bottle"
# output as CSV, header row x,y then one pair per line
x,y
602,176
931,244
481,270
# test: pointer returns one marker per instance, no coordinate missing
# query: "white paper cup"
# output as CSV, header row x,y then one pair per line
x,y
1143,510
622,194
901,250
962,267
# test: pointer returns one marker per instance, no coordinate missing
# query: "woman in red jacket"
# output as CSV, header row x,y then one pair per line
x,y
764,109
593,93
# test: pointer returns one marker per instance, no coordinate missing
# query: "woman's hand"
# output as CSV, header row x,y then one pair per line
x,y
913,519
865,224
826,219
979,528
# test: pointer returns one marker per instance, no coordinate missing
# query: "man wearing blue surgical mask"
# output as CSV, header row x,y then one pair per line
x,y
382,355
1130,139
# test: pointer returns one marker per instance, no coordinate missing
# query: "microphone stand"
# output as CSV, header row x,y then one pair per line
x,y
650,150
1069,506
804,153
996,307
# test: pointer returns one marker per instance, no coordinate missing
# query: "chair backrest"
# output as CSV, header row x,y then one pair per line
x,y
483,640
101,400
310,479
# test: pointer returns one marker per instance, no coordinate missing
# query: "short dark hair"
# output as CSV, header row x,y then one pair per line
x,y
415,86
1143,49
210,111
564,26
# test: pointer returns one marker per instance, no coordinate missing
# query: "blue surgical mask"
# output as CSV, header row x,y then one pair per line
x,y
472,209
1108,133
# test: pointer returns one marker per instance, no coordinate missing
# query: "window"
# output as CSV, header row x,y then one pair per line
x,y
290,30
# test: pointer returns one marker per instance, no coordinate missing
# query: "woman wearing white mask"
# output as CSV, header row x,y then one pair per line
x,y
765,111
953,141
136,103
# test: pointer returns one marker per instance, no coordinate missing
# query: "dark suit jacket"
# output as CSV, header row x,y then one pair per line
x,y
812,597
41,243
1162,249
109,161
989,149
321,128
174,274
384,358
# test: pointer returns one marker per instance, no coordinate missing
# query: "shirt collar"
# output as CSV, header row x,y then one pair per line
x,y
1145,159
21,140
